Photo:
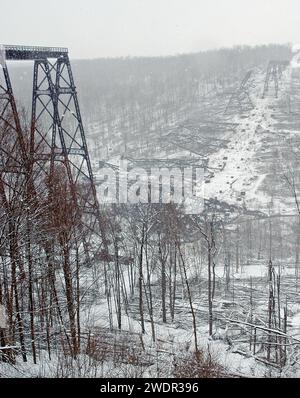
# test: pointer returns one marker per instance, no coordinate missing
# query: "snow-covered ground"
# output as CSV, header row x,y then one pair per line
x,y
238,179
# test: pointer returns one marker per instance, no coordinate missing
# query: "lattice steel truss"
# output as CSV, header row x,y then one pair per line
x,y
199,137
274,75
240,100
56,140
13,147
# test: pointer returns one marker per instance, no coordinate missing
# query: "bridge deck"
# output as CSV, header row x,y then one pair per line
x,y
32,52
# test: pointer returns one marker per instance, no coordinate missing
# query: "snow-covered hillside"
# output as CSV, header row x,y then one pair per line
x,y
149,289
248,157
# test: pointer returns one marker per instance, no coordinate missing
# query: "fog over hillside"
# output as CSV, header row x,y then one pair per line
x,y
149,206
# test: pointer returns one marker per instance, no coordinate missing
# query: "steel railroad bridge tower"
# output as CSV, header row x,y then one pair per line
x,y
56,137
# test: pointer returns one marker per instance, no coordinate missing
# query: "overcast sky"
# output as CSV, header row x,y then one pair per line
x,y
110,28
